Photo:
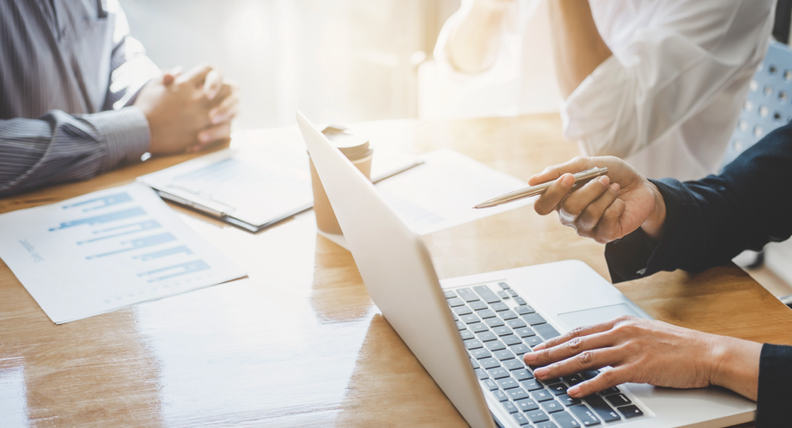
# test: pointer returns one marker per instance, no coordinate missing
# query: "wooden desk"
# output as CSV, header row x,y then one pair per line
x,y
300,343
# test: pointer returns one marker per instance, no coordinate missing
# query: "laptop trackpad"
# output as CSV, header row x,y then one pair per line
x,y
596,315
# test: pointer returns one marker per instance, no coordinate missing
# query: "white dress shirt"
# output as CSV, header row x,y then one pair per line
x,y
668,99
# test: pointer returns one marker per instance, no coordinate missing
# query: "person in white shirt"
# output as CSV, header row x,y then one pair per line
x,y
659,83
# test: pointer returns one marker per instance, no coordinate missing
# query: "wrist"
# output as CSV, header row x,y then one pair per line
x,y
735,365
653,225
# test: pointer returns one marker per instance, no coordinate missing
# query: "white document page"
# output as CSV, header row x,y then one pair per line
x,y
441,193
107,250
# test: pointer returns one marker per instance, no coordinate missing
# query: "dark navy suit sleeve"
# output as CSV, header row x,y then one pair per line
x,y
710,221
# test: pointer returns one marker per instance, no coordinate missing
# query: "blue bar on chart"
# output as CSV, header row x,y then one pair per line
x,y
164,253
104,218
118,198
140,227
186,268
139,243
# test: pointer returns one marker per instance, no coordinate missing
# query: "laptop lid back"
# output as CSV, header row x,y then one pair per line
x,y
398,275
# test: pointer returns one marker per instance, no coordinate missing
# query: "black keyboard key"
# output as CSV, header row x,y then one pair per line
x,y
526,405
478,327
500,395
520,349
522,374
548,424
472,344
489,363
524,310
463,310
533,319
489,383
517,393
585,415
467,294
499,306
503,355
611,390
567,400
541,395
449,294
478,306
511,340
551,406
480,353
618,400
470,319
486,313
573,379
512,293
510,407
520,418
499,373
565,420
495,345
525,332
546,331
503,295
602,408
508,315
486,294
460,325
486,336
589,374
537,416
503,285
532,384
558,388
481,374
474,363
502,331
494,322
514,364
455,301
630,411
507,383
466,334
533,341
520,301
518,323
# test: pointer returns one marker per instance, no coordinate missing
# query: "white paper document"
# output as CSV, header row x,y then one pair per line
x,y
441,193
107,250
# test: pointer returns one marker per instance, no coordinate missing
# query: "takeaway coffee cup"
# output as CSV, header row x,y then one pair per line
x,y
357,150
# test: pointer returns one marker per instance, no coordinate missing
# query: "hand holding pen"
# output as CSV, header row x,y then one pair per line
x,y
606,208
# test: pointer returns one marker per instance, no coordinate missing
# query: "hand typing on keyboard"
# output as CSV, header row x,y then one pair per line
x,y
651,352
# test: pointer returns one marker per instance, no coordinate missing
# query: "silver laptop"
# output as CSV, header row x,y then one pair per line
x,y
471,332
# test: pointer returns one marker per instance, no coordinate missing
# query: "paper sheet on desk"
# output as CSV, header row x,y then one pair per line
x,y
107,250
441,193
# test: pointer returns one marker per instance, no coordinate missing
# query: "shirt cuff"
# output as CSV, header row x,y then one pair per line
x,y
594,104
126,133
775,376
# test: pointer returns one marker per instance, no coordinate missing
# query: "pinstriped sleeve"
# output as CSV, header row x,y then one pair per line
x,y
58,147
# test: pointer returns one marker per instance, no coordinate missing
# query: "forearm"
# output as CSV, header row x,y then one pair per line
x,y
58,147
475,40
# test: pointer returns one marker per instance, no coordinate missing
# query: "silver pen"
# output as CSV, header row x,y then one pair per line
x,y
581,178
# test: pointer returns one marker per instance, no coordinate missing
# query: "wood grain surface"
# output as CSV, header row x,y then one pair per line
x,y
299,343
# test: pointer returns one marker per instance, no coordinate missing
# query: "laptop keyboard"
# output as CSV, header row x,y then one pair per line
x,y
497,329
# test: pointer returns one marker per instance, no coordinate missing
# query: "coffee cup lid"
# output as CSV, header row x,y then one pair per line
x,y
352,146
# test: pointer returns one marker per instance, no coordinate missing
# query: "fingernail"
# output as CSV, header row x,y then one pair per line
x,y
615,187
204,138
541,372
604,180
530,356
572,391
539,347
568,180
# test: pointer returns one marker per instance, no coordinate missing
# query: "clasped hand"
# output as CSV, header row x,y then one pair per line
x,y
188,111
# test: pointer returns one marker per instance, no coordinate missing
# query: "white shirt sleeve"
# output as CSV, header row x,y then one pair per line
x,y
667,72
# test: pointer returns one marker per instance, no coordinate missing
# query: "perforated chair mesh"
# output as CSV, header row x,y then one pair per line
x,y
769,101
